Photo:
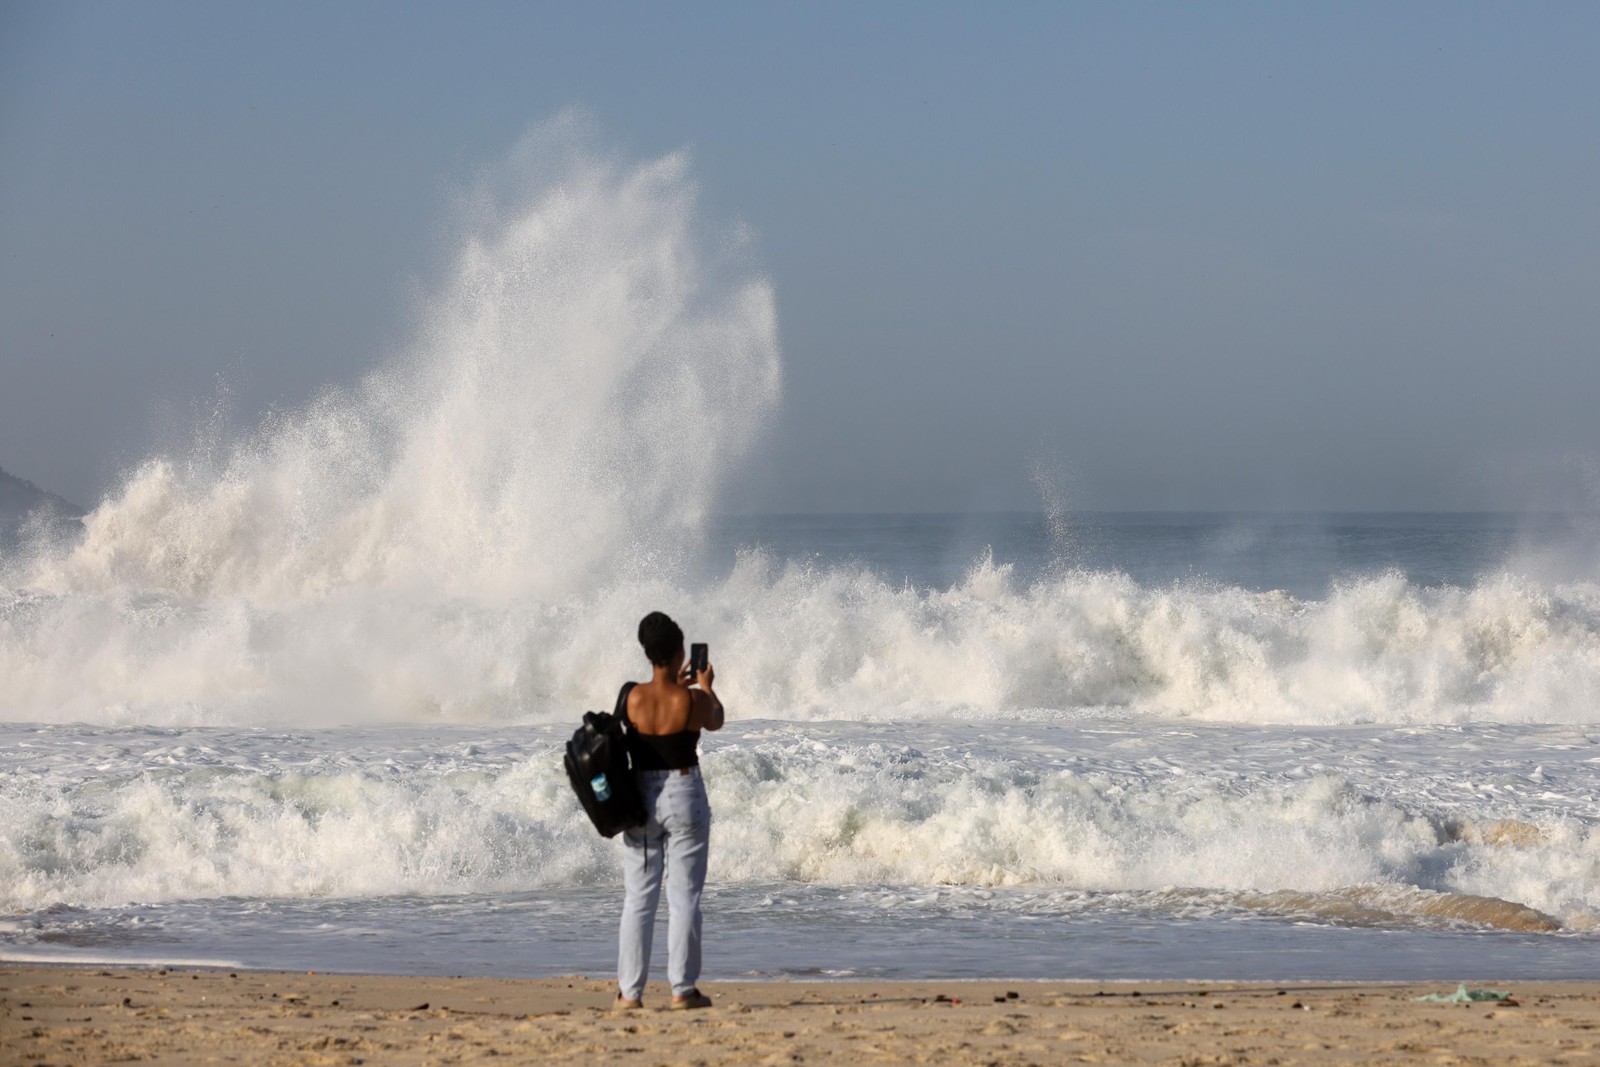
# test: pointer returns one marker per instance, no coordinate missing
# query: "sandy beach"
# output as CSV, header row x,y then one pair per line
x,y
59,1015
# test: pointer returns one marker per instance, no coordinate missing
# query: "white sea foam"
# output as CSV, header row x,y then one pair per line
x,y
811,643
70,957
1338,825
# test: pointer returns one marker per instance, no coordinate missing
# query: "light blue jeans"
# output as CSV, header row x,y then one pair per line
x,y
674,840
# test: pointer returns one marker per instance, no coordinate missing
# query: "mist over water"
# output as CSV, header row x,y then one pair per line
x,y
560,427
568,411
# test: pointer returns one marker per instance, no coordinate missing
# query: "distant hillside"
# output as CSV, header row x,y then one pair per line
x,y
18,498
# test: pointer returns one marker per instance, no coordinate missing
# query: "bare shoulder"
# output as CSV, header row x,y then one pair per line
x,y
635,698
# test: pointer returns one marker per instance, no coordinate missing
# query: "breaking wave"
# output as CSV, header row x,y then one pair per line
x,y
471,533
809,642
1046,820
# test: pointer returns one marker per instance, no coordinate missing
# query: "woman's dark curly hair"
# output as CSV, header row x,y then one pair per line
x,y
661,638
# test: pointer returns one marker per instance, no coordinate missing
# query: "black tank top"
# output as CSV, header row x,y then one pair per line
x,y
663,752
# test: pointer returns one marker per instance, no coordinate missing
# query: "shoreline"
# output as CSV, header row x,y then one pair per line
x,y
169,967
175,1015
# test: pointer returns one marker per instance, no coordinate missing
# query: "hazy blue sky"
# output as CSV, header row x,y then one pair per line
x,y
1187,255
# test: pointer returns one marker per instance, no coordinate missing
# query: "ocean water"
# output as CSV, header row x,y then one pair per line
x,y
295,697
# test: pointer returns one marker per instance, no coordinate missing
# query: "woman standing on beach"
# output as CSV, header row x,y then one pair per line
x,y
666,717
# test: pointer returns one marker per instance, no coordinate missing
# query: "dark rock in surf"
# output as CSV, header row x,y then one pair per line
x,y
27,511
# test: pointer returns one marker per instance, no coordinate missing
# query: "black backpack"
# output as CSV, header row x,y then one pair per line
x,y
597,765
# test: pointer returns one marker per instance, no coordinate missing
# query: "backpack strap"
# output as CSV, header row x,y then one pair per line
x,y
621,712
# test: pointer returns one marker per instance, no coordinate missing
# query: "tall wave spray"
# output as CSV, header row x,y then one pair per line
x,y
576,392
562,422
473,532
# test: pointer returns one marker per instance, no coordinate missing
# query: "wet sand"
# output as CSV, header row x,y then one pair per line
x,y
94,1015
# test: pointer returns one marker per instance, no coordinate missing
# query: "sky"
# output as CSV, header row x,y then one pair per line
x,y
1164,256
